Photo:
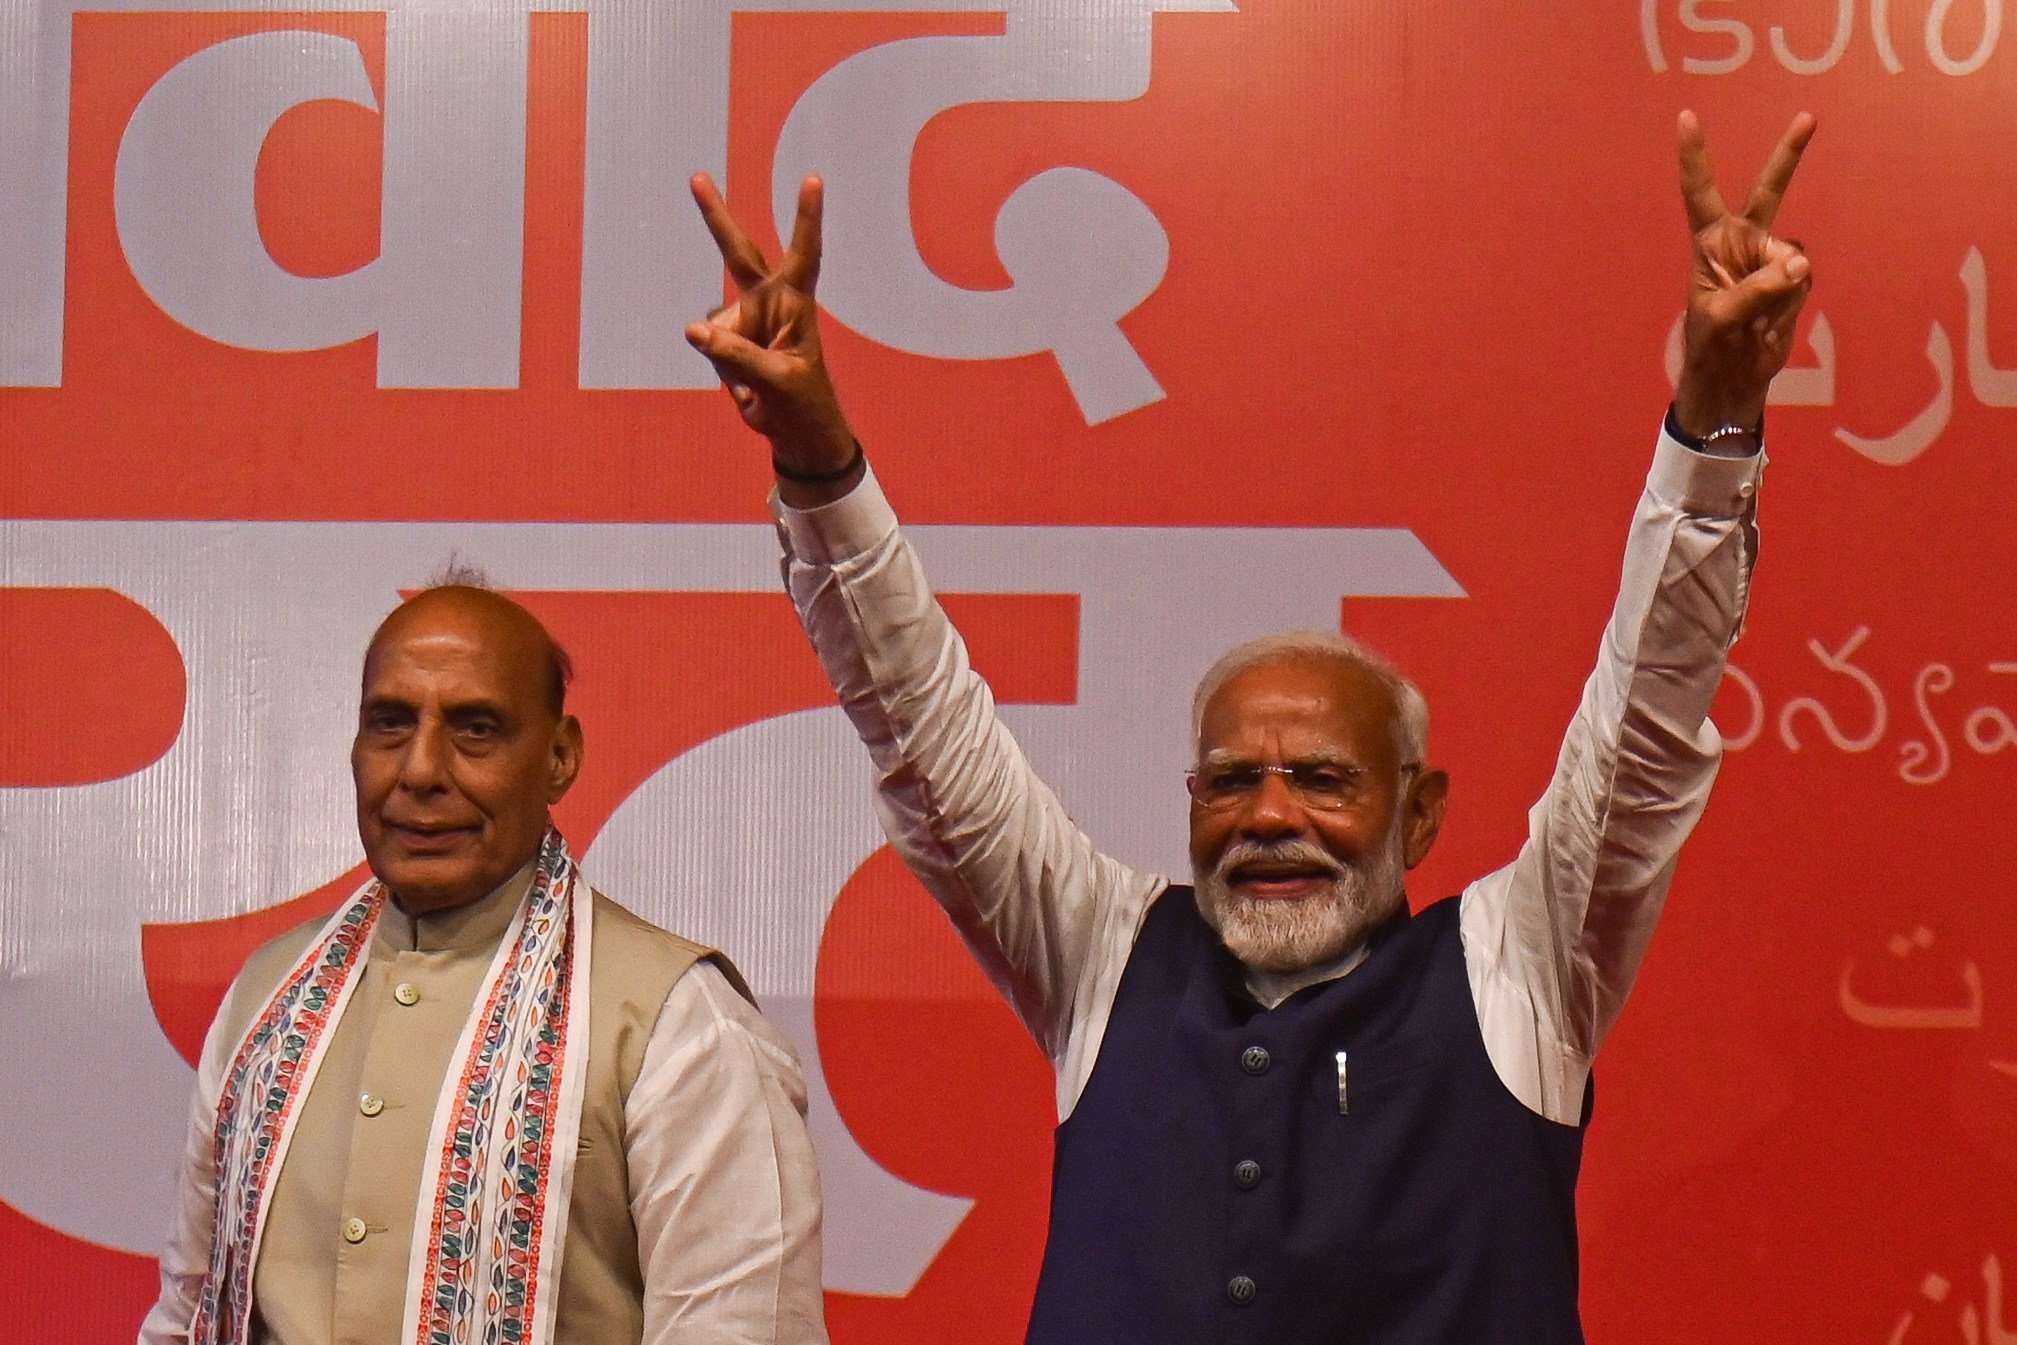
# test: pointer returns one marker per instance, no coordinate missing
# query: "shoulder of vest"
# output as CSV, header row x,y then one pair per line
x,y
619,929
270,960
1173,911
260,975
1442,908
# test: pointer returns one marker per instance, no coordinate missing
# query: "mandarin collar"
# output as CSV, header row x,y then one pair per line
x,y
477,926
1272,989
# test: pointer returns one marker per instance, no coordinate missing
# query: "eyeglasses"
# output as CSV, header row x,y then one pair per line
x,y
1327,785
1324,785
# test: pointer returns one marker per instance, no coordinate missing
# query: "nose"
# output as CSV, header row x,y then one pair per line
x,y
421,765
1274,809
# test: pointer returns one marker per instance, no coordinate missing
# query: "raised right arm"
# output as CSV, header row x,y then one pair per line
x,y
1049,918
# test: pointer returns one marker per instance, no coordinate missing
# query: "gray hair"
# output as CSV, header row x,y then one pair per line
x,y
1411,708
455,572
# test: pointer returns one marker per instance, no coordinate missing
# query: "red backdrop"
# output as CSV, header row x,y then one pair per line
x,y
1423,262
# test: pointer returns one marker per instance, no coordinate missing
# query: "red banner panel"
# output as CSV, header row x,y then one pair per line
x,y
1165,322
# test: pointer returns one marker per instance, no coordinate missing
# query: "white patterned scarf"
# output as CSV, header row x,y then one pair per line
x,y
492,1217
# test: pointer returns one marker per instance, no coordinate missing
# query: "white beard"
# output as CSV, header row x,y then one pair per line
x,y
1289,936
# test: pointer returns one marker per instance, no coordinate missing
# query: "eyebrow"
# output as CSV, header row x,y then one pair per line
x,y
477,707
1322,757
458,710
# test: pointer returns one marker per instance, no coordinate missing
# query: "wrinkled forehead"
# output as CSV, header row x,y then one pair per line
x,y
1305,706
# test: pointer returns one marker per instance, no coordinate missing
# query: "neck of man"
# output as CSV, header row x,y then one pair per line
x,y
458,924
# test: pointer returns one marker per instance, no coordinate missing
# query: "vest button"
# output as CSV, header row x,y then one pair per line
x,y
354,1230
370,1105
1241,1290
1255,1060
406,993
1247,1173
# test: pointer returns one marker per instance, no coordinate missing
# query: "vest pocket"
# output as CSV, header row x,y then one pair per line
x,y
1372,1074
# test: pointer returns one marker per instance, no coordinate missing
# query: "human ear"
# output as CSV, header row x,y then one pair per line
x,y
1422,814
564,762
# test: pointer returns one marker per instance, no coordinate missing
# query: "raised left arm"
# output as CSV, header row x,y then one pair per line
x,y
1553,942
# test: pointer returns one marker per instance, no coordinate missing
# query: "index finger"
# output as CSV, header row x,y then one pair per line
x,y
800,266
1698,180
745,264
1763,203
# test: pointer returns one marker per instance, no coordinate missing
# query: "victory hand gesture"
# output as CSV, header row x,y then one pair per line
x,y
765,345
1746,291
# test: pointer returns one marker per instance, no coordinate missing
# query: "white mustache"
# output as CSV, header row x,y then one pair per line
x,y
1279,852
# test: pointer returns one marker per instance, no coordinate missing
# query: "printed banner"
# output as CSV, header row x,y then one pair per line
x,y
1166,322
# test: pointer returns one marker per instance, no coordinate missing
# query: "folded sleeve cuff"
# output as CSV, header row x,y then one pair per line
x,y
1704,484
851,525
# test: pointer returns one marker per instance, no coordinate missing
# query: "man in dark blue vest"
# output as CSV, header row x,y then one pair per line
x,y
1291,1110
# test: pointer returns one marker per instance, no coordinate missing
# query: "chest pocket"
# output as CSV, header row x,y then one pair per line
x,y
1368,1077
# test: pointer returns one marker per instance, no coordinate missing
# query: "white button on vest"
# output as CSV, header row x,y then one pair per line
x,y
370,1105
406,993
353,1230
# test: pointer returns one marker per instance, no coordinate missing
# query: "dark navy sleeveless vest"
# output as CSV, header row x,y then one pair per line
x,y
1209,1186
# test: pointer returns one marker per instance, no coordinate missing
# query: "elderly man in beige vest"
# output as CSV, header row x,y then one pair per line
x,y
481,1102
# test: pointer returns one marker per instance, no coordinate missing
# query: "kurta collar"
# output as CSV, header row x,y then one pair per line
x,y
1271,989
476,927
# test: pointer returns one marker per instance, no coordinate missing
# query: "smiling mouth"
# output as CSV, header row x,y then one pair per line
x,y
1272,883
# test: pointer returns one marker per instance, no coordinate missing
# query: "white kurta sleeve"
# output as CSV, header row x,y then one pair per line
x,y
1553,941
723,1188
1050,919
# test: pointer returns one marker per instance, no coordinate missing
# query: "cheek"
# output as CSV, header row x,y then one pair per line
x,y
1341,834
1353,836
507,790
372,780
1209,832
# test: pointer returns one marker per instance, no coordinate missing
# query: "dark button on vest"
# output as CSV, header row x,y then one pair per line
x,y
1437,1210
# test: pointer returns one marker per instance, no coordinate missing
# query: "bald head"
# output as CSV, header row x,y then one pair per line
x,y
462,745
498,622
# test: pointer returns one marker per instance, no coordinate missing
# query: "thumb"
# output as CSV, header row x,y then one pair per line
x,y
1767,290
737,359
